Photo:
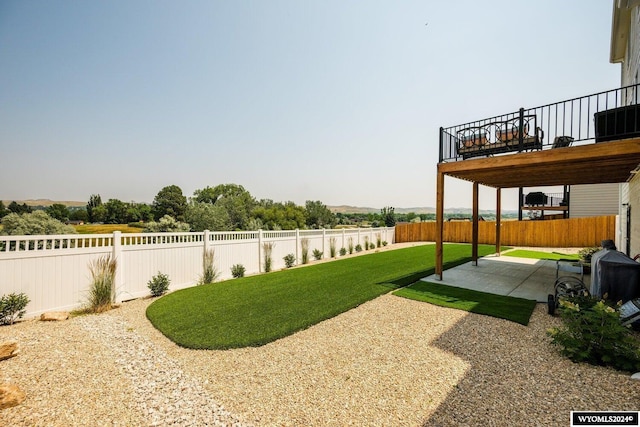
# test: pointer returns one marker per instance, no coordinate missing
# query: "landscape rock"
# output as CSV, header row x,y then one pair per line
x,y
10,395
8,349
54,316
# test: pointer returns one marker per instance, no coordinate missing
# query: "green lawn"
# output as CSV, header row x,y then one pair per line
x,y
522,253
515,309
256,310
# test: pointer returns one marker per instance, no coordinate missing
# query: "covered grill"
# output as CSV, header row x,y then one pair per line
x,y
614,275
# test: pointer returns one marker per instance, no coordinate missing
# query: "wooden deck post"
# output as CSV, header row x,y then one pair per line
x,y
474,233
498,215
439,222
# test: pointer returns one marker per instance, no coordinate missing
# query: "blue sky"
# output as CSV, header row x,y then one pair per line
x,y
338,101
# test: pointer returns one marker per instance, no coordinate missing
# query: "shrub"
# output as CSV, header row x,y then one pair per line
x,y
237,271
12,307
209,271
289,260
101,291
592,333
586,253
304,244
167,224
317,255
343,251
36,223
332,247
159,284
366,243
358,248
384,243
267,250
378,240
350,245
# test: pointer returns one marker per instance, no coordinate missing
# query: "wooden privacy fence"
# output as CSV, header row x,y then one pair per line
x,y
575,232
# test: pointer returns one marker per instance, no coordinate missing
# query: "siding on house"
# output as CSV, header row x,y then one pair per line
x,y
594,200
631,63
634,204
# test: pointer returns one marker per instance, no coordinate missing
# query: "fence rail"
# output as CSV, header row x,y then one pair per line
x,y
575,232
53,270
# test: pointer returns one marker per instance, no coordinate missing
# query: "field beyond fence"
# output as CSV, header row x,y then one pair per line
x,y
574,232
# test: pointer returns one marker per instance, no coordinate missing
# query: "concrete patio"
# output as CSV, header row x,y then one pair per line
x,y
506,275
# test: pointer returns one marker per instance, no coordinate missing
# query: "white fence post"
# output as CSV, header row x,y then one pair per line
x,y
116,254
342,239
260,251
297,246
324,238
207,244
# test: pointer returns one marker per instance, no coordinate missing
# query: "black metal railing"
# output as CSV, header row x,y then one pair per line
x,y
600,117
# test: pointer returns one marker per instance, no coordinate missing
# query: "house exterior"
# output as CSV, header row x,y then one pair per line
x,y
625,50
594,200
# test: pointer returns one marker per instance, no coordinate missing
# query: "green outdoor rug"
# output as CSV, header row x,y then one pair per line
x,y
510,308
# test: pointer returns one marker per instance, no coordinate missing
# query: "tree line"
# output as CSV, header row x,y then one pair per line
x,y
224,207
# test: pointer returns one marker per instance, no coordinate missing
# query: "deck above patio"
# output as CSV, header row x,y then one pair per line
x,y
597,118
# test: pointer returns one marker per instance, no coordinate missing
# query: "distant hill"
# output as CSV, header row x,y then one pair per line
x,y
44,202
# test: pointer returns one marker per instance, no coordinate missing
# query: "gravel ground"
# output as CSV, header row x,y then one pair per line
x,y
389,362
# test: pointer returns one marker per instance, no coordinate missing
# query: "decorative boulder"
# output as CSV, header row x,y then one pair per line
x,y
54,316
8,349
10,395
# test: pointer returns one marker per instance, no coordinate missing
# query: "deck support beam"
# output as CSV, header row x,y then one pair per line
x,y
439,222
498,216
475,219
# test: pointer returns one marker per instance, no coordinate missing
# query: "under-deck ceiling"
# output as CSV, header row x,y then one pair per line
x,y
607,162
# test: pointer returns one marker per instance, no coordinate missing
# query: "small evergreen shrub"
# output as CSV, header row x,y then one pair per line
x,y
317,255
350,245
209,271
304,244
289,260
343,251
358,248
332,247
372,245
237,271
12,307
101,291
586,253
267,249
592,333
159,284
384,243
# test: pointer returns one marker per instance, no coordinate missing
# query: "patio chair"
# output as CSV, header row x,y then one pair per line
x,y
562,141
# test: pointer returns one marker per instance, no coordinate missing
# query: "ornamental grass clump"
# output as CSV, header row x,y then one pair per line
x,y
101,291
209,271
350,245
267,249
332,247
593,333
304,245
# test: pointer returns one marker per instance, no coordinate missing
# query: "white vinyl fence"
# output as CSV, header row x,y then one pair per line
x,y
53,271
